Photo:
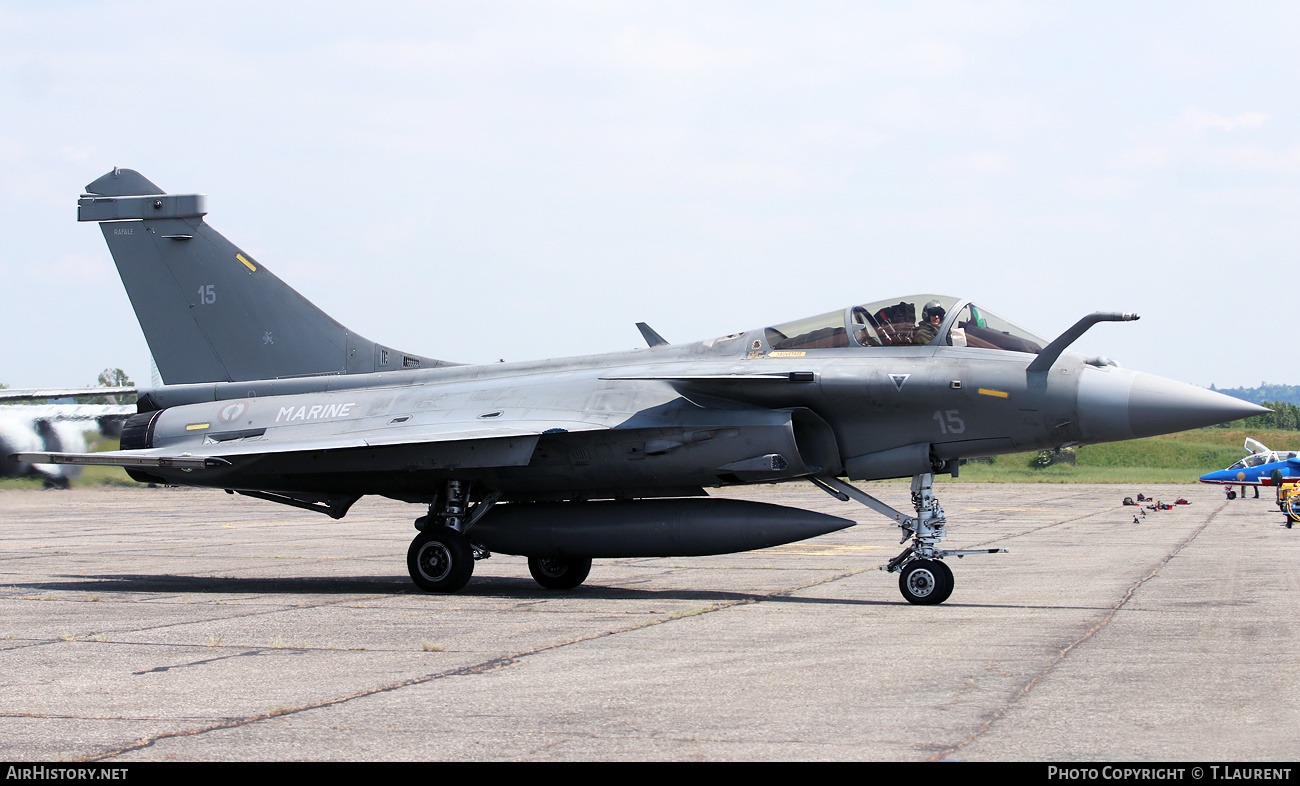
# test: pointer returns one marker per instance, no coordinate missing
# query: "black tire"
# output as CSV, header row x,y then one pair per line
x,y
1232,495
925,582
559,573
440,559
949,583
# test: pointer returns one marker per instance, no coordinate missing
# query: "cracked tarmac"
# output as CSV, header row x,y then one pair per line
x,y
185,624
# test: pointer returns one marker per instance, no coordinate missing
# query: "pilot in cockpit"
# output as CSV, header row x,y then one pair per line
x,y
931,316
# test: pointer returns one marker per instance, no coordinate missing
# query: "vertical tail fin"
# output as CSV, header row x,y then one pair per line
x,y
210,311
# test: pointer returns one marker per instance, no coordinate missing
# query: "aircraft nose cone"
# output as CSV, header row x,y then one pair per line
x,y
1119,404
1162,406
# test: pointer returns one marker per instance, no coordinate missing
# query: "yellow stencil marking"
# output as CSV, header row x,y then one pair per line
x,y
786,354
247,264
197,426
998,393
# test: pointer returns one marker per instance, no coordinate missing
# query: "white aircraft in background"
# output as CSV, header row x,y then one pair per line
x,y
55,427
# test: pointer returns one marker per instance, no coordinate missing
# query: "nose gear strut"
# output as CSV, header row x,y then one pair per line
x,y
923,578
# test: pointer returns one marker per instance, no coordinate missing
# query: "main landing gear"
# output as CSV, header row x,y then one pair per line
x,y
559,573
442,557
923,577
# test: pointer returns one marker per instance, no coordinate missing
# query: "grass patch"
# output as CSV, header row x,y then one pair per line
x,y
982,473
104,476
1172,458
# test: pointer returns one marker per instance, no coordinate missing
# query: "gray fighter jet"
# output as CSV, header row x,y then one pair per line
x,y
603,456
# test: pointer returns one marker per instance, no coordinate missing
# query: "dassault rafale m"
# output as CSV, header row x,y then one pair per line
x,y
570,459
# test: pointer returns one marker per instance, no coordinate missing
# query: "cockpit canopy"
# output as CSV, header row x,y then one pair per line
x,y
919,320
1257,459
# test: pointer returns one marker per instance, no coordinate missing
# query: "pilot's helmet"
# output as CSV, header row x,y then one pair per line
x,y
931,309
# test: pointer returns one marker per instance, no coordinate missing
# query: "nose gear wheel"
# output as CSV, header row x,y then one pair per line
x,y
925,582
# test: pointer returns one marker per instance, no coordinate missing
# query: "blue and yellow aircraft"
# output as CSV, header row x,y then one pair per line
x,y
1257,468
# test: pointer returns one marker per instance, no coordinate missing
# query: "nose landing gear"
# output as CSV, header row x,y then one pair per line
x,y
924,579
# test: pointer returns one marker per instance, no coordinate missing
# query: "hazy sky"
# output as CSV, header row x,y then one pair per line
x,y
484,180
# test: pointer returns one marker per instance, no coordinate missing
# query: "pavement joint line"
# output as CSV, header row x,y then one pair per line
x,y
1031,530
477,668
254,613
1001,733
65,716
205,661
492,664
998,714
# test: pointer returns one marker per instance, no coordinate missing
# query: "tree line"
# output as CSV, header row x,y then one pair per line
x,y
109,377
1263,394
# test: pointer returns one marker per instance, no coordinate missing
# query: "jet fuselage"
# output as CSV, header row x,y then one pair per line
x,y
662,421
